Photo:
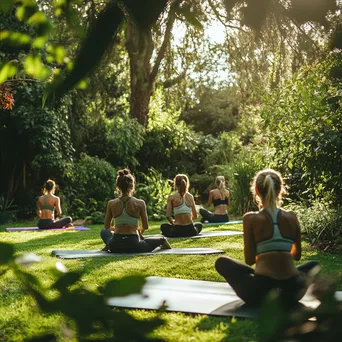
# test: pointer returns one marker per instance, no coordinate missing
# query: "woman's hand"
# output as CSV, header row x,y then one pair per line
x,y
112,228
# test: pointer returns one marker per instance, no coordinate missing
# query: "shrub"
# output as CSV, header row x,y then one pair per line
x,y
154,190
89,187
321,224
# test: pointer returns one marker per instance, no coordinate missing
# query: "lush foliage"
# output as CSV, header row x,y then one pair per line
x,y
90,186
96,316
304,121
154,189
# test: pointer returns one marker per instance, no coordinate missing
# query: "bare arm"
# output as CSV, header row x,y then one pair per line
x,y
169,210
58,207
39,212
193,207
108,217
249,241
143,217
210,199
296,250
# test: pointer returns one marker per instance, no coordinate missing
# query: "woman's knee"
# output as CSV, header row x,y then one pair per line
x,y
221,264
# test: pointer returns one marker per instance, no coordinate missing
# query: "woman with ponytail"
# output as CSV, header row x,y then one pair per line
x,y
125,236
220,198
272,241
183,205
46,206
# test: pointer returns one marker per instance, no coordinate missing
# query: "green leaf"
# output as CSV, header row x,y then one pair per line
x,y
66,280
5,5
124,286
34,67
7,71
14,38
6,253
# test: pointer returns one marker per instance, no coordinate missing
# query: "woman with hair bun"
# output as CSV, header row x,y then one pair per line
x,y
221,200
126,211
183,205
272,241
46,206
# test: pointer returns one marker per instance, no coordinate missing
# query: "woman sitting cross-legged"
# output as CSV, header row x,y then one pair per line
x,y
220,198
46,206
184,209
126,210
272,240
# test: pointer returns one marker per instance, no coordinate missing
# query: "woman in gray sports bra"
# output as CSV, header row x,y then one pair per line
x,y
125,236
221,200
46,206
272,241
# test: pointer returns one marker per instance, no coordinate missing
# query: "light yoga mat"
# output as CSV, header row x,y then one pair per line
x,y
222,223
195,296
21,229
203,235
71,254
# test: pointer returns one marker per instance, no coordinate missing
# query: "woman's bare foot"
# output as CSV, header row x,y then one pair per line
x,y
165,245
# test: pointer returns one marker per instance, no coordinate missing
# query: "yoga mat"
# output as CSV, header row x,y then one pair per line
x,y
203,235
70,254
222,223
21,229
195,296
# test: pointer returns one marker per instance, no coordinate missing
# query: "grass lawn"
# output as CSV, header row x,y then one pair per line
x,y
20,318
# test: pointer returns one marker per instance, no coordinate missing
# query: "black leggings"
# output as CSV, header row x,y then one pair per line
x,y
210,217
49,223
130,243
253,288
177,230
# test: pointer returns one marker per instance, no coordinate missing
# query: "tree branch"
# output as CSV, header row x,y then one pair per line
x,y
172,81
167,35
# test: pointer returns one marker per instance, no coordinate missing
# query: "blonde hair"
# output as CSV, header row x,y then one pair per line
x,y
182,184
220,183
49,186
271,189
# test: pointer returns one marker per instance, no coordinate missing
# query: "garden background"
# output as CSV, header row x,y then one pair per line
x,y
204,88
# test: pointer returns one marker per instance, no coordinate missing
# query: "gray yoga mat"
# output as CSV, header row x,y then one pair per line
x,y
36,229
222,223
72,254
194,296
203,235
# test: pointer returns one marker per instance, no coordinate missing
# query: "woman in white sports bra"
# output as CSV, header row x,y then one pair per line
x,y
183,205
125,236
272,240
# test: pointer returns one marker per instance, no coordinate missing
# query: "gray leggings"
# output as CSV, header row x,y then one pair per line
x,y
252,288
210,217
176,230
49,223
130,243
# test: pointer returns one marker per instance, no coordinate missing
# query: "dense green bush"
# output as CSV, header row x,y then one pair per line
x,y
154,190
89,187
321,224
304,121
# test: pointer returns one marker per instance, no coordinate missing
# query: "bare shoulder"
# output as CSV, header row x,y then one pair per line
x,y
251,216
139,201
288,214
188,195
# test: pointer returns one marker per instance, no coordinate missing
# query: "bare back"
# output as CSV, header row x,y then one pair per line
x,y
134,207
46,205
176,200
258,227
214,195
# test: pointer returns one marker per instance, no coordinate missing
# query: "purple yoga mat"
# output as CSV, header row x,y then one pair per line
x,y
20,229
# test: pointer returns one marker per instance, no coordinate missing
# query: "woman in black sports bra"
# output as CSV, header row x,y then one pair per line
x,y
220,198
46,206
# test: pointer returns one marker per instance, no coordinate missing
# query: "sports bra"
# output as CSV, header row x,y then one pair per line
x,y
219,201
276,242
182,209
125,218
46,206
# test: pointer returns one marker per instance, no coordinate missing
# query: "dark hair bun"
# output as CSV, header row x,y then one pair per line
x,y
126,172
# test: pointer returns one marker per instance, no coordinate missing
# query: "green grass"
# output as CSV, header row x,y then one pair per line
x,y
20,318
